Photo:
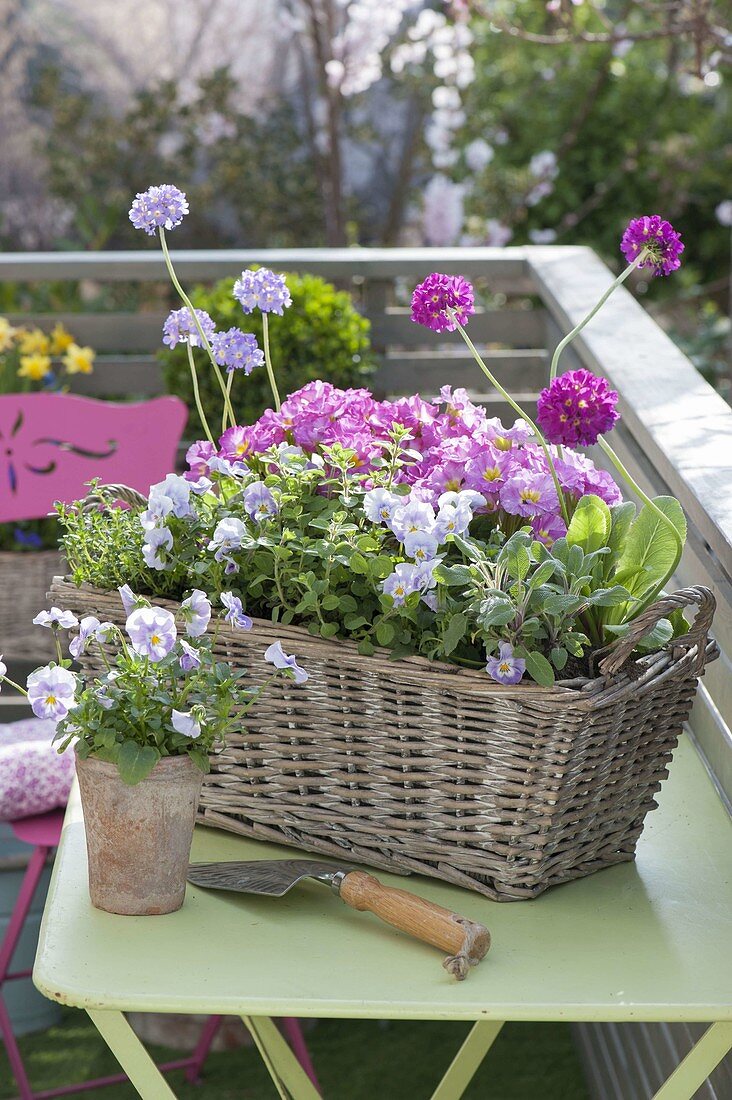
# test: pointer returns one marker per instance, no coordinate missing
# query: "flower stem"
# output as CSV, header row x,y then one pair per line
x,y
517,409
585,320
229,382
7,680
268,361
619,466
197,395
184,298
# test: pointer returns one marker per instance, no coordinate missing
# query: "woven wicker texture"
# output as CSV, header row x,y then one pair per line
x,y
25,579
416,766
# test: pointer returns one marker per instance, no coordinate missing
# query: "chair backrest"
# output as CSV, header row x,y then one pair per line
x,y
52,444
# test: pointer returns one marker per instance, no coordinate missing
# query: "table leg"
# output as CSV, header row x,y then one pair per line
x,y
466,1062
131,1055
701,1060
290,1079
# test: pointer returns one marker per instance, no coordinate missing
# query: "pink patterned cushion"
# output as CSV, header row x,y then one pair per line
x,y
33,777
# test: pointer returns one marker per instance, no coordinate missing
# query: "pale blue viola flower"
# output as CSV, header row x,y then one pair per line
x,y
129,600
413,517
379,505
421,546
505,668
56,618
277,657
235,612
155,546
176,492
259,502
190,658
87,631
196,613
225,466
401,583
3,668
51,692
152,631
227,538
184,722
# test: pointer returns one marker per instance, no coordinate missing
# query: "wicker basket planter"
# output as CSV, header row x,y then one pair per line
x,y
421,767
25,579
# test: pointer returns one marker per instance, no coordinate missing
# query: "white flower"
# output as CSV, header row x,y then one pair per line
x,y
478,155
724,212
184,722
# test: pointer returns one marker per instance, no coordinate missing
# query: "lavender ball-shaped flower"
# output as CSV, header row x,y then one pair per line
x,y
659,239
433,298
162,207
237,350
263,290
577,407
180,328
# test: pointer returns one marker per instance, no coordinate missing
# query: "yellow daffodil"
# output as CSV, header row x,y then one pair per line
x,y
78,360
34,342
7,334
34,367
61,340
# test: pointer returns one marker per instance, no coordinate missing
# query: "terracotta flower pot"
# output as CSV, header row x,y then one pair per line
x,y
139,838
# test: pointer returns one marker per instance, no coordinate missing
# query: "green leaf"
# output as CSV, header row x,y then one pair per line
x,y
517,560
135,762
559,657
543,573
622,517
366,648
455,632
650,553
331,602
453,574
590,525
539,669
496,611
328,630
608,597
359,564
385,633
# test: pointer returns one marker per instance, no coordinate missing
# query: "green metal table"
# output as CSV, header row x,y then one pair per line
x,y
644,941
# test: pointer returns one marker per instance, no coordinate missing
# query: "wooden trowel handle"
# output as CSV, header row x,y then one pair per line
x,y
464,940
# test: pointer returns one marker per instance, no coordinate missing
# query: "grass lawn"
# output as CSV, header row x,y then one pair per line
x,y
355,1059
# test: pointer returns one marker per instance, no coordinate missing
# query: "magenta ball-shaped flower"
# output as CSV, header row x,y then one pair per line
x,y
162,207
577,407
439,296
658,238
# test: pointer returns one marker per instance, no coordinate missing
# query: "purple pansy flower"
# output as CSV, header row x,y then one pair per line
x,y
505,668
184,722
259,502
402,582
379,505
529,493
198,456
415,516
548,529
277,657
437,295
180,328
51,692
196,613
190,658
421,546
262,289
56,618
87,630
578,407
660,241
152,631
235,612
160,207
227,537
173,495
237,350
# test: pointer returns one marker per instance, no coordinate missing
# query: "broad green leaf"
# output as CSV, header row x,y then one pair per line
x,y
496,611
385,633
559,657
455,632
517,561
649,555
543,573
622,517
453,574
328,630
135,762
590,525
608,597
539,669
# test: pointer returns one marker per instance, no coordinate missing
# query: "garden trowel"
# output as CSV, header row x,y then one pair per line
x,y
466,941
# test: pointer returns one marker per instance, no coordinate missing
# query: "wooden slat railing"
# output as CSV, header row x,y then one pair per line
x,y
675,435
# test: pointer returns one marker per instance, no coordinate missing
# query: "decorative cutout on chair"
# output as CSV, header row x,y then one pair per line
x,y
52,444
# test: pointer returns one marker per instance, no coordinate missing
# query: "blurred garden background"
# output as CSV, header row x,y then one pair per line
x,y
295,123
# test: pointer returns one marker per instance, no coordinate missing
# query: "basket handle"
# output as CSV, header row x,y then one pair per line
x,y
618,652
102,496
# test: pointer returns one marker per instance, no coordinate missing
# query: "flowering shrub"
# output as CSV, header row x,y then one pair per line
x,y
162,694
32,360
421,526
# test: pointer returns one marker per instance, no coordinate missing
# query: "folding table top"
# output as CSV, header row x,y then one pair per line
x,y
648,940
